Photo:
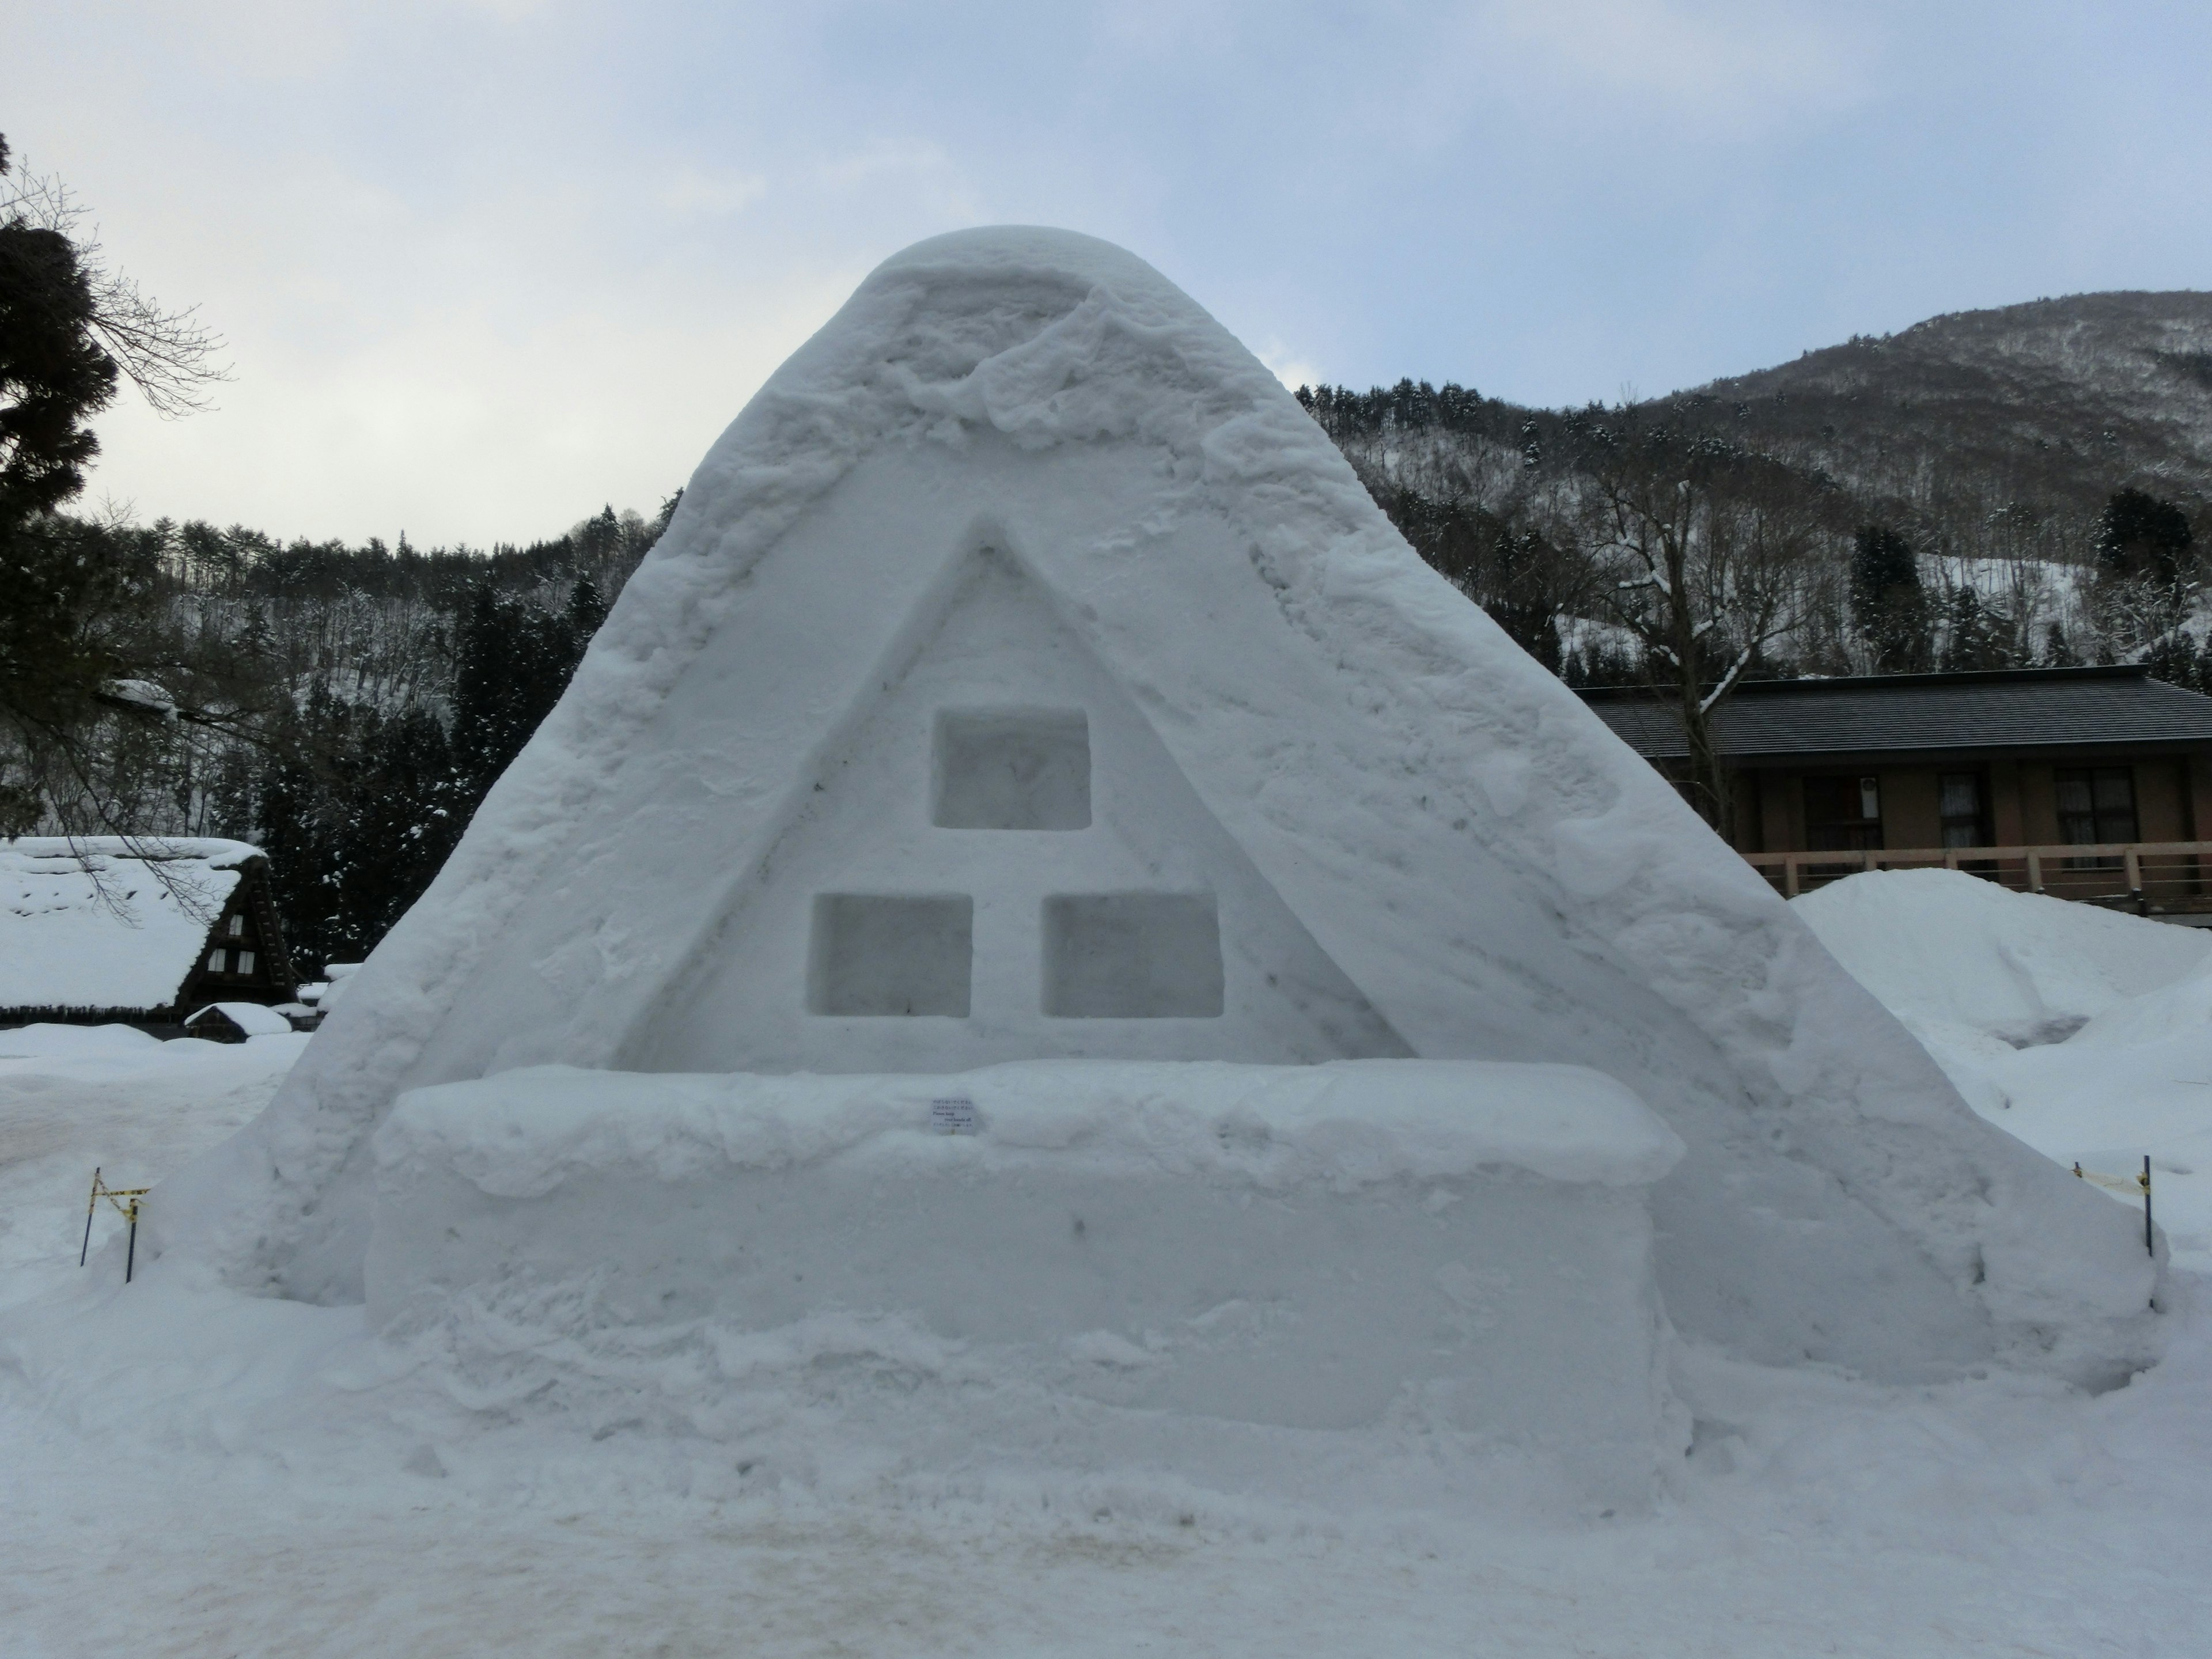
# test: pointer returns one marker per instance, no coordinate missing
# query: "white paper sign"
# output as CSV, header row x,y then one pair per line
x,y
954,1115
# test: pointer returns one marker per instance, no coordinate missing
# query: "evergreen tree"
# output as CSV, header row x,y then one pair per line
x,y
402,819
512,661
504,682
2057,653
2172,657
586,611
1974,637
2141,536
357,813
54,377
73,596
1889,607
2146,572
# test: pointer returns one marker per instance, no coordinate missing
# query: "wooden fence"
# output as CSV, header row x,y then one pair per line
x,y
2149,876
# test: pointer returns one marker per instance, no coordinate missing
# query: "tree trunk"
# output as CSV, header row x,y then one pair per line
x,y
1708,784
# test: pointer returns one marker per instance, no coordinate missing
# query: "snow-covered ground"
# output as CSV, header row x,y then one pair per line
x,y
72,1098
188,1472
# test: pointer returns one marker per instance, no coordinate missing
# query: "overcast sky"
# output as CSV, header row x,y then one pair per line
x,y
484,267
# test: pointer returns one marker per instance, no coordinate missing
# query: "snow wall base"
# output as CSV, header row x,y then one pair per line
x,y
1395,1248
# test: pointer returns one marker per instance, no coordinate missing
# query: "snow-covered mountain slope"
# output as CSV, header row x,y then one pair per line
x,y
2057,401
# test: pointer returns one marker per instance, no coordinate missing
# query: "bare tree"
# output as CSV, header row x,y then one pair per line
x,y
1707,555
169,355
80,646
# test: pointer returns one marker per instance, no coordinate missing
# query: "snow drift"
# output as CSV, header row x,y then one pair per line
x,y
2023,968
1022,485
1994,981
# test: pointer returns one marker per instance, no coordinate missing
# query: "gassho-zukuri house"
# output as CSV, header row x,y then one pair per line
x,y
1041,923
2087,783
148,932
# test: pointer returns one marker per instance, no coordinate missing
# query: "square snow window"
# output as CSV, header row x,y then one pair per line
x,y
875,953
218,960
1131,955
1012,768
246,962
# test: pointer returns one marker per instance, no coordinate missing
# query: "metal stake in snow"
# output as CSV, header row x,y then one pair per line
x,y
129,1211
91,1209
2120,1184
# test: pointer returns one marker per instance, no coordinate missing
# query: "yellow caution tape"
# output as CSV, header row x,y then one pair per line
x,y
100,1189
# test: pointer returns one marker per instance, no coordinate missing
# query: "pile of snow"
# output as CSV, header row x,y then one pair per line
x,y
1944,949
2181,1009
254,1018
2086,1033
325,991
1192,1246
1020,474
49,1042
72,1097
98,922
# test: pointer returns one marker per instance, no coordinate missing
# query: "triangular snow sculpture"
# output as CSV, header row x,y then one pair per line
x,y
1025,675
1002,779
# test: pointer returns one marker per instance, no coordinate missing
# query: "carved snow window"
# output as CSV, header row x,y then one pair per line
x,y
1131,955
891,954
1012,768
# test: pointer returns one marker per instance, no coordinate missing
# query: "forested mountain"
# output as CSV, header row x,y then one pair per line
x,y
1992,488
2002,431
343,707
1987,488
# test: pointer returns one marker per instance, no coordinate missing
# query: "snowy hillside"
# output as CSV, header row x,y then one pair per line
x,y
2053,404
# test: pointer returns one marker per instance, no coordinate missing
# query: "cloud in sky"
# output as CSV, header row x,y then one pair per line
x,y
486,265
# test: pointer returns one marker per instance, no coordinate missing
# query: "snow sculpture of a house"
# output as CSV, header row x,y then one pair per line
x,y
1023,677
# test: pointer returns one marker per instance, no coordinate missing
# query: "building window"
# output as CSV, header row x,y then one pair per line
x,y
237,926
246,962
218,960
1963,806
2096,804
1843,815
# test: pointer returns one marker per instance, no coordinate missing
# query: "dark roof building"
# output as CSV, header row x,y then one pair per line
x,y
2048,711
144,932
1919,768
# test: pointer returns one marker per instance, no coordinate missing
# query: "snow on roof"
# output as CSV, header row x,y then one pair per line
x,y
1421,844
102,922
251,1018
